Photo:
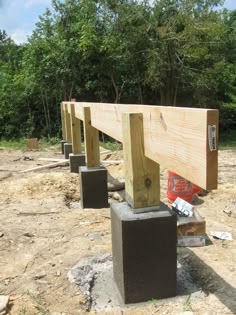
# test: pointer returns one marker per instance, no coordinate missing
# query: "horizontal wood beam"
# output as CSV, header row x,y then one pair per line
x,y
184,140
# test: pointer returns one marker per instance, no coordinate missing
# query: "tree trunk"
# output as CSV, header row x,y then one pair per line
x,y
44,108
115,88
140,94
48,114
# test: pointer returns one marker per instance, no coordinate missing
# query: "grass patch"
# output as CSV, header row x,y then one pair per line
x,y
187,304
38,304
112,146
227,140
20,144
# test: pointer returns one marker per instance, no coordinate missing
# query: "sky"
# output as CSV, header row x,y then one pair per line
x,y
18,17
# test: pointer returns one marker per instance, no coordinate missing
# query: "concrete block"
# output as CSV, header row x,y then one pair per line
x,y
67,150
93,187
76,160
144,253
62,142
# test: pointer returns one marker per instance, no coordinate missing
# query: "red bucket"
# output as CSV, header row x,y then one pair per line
x,y
179,187
196,189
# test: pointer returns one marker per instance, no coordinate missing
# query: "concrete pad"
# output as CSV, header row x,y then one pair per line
x,y
62,142
93,187
94,277
76,160
144,253
67,150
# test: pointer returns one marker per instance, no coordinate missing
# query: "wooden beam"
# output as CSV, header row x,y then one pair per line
x,y
142,175
42,167
63,122
91,136
175,137
53,160
212,138
67,124
76,134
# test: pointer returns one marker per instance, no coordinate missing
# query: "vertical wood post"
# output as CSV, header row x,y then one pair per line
x,y
63,122
76,134
91,137
142,175
67,125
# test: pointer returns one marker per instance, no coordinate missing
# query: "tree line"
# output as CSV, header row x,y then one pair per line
x,y
168,52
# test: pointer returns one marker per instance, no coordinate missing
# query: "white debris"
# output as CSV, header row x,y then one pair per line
x,y
222,235
4,300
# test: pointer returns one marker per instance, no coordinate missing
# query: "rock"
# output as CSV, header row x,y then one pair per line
x,y
185,256
116,196
6,281
39,276
227,211
27,234
4,300
1,234
58,273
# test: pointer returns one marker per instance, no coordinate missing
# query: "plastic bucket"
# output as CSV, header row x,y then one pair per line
x,y
179,187
196,189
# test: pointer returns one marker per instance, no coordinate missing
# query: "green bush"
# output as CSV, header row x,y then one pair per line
x,y
227,117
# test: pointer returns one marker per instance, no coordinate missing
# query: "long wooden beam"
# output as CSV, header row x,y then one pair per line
x,y
184,140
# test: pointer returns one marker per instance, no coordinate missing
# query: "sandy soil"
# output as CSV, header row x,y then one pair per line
x,y
43,234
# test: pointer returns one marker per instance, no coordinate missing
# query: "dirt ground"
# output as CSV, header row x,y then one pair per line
x,y
43,235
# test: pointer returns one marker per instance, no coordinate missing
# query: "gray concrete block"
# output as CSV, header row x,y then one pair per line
x,y
67,150
76,160
62,142
144,253
93,187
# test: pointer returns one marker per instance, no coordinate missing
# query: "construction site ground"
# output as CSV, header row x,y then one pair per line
x,y
44,234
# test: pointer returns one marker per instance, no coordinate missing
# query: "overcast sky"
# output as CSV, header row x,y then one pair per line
x,y
18,17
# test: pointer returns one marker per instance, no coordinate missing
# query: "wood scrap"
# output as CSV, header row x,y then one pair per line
x,y
32,144
105,152
51,165
6,176
114,162
36,213
115,186
53,159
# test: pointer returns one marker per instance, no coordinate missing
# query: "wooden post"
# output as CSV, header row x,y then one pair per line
x,y
142,181
63,122
76,134
67,124
91,136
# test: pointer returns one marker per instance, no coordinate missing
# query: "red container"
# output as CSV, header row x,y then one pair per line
x,y
179,187
196,189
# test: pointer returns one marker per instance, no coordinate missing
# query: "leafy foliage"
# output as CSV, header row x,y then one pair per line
x,y
169,52
227,117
